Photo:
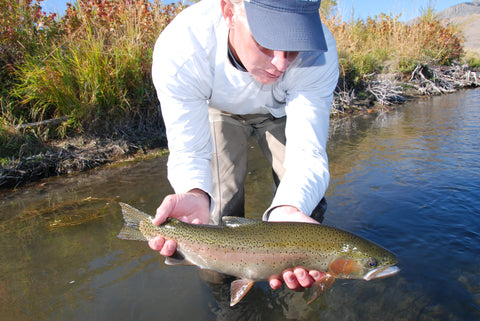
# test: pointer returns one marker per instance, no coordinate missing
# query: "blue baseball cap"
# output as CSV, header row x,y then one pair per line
x,y
286,25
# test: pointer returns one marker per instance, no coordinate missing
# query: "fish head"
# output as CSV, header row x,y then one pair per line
x,y
363,261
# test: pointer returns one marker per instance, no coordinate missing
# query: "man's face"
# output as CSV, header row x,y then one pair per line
x,y
265,65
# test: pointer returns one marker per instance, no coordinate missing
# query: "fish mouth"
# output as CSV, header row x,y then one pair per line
x,y
381,273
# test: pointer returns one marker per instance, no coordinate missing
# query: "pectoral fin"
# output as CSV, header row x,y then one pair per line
x,y
238,289
320,287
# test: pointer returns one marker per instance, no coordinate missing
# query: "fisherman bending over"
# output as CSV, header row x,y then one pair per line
x,y
228,69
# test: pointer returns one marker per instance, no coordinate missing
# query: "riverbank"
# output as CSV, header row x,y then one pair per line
x,y
76,90
382,92
70,155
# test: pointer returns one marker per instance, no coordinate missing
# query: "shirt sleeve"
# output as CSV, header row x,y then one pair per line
x,y
309,95
182,84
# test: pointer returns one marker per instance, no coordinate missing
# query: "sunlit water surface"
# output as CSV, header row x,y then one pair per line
x,y
408,179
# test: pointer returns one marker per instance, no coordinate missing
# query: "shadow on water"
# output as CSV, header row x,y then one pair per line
x,y
408,180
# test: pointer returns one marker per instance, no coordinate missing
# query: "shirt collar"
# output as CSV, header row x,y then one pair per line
x,y
234,61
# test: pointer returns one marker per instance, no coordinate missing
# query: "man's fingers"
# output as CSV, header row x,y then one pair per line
x,y
156,243
317,275
275,282
197,221
296,279
165,209
303,278
168,248
290,280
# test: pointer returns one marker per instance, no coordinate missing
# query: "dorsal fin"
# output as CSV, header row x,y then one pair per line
x,y
233,221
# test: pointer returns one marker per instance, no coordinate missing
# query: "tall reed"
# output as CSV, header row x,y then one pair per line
x,y
384,44
99,71
24,28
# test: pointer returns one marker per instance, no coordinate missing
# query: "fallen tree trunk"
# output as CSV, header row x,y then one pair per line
x,y
46,123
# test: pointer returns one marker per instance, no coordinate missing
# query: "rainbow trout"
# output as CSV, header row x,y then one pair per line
x,y
253,250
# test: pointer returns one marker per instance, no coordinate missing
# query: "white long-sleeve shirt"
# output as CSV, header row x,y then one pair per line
x,y
191,71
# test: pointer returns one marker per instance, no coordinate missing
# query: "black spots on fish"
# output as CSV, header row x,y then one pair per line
x,y
231,249
244,263
282,261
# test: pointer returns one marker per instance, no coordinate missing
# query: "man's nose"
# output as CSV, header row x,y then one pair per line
x,y
280,60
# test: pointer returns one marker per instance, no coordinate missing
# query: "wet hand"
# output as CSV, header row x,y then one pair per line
x,y
288,213
165,248
191,207
298,278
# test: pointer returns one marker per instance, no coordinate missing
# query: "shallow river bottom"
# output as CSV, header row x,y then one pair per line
x,y
407,179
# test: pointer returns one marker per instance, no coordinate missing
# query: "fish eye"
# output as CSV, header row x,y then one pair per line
x,y
372,263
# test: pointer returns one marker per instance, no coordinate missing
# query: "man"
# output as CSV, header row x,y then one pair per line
x,y
225,70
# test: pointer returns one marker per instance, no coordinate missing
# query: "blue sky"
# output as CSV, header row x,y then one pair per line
x,y
407,8
360,8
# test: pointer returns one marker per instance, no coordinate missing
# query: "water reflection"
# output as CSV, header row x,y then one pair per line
x,y
407,179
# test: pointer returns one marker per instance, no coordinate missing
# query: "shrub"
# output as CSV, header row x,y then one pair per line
x,y
99,72
384,44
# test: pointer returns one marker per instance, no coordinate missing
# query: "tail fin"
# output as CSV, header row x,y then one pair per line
x,y
132,218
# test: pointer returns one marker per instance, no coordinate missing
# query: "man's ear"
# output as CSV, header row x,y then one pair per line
x,y
228,11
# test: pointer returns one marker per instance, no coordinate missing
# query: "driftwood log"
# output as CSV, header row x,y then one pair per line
x,y
424,80
44,123
442,79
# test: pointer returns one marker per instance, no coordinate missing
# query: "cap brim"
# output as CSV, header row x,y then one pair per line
x,y
285,31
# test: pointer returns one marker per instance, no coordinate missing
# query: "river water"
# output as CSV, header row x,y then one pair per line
x,y
408,179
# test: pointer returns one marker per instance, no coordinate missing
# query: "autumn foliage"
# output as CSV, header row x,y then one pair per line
x,y
93,63
383,44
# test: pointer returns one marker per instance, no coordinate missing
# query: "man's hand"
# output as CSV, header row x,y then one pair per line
x,y
191,207
298,278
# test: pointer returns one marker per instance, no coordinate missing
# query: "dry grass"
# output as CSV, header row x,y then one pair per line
x,y
384,44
